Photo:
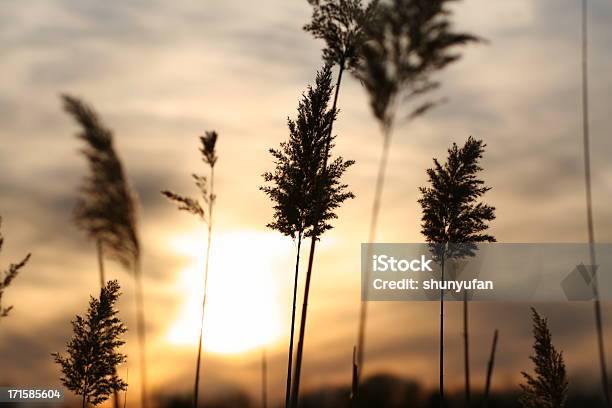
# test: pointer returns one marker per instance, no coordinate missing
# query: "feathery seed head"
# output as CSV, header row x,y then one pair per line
x,y
305,194
341,24
406,42
209,140
192,205
106,208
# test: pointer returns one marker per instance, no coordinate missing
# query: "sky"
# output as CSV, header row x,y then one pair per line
x,y
161,73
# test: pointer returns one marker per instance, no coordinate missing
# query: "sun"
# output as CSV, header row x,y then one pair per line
x,y
243,306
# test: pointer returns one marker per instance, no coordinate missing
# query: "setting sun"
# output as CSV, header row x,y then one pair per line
x,y
242,310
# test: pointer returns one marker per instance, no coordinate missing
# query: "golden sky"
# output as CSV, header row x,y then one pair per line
x,y
160,73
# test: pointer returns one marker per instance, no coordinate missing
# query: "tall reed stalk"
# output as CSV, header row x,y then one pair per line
x,y
454,217
205,288
193,206
106,212
303,171
407,42
289,190
142,339
354,380
490,365
466,350
127,380
293,312
589,205
343,25
378,190
441,338
102,284
295,391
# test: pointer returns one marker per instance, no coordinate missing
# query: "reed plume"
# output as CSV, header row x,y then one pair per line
x,y
106,207
454,219
193,206
8,276
288,189
548,389
106,211
341,24
89,369
291,186
306,186
407,42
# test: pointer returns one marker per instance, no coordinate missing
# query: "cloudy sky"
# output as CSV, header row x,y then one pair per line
x,y
160,73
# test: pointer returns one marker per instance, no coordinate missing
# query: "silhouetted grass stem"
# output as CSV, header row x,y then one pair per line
x,y
466,349
313,241
378,191
485,401
293,312
589,204
205,288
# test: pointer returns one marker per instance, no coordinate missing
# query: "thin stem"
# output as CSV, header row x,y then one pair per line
x,y
100,253
127,379
211,200
380,182
116,399
300,348
442,338
485,400
334,105
466,349
355,380
290,357
589,204
313,240
142,341
264,379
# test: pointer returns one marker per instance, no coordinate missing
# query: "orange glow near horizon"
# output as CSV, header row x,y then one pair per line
x,y
242,309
